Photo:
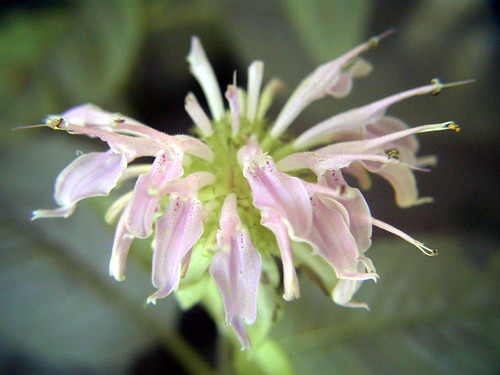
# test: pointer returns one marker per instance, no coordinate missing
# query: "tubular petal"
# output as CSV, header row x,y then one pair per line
x,y
236,270
320,162
147,197
318,84
391,140
277,191
202,70
177,230
272,221
90,175
355,118
234,107
345,289
357,209
198,115
255,73
121,245
332,239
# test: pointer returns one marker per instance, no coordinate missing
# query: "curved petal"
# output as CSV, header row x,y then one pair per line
x,y
177,230
234,108
404,184
356,118
202,70
321,162
332,239
360,218
198,115
345,289
93,117
148,192
121,245
277,191
90,175
321,82
236,270
272,221
385,134
255,73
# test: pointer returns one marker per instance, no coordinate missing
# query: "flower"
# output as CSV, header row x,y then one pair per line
x,y
230,201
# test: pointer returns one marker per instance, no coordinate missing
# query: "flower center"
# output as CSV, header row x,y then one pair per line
x,y
229,179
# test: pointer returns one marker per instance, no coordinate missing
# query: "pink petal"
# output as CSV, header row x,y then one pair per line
x,y
386,133
360,174
121,245
148,191
345,290
189,186
274,222
234,107
177,230
236,269
90,175
321,162
404,184
355,118
360,223
277,191
92,116
388,125
146,143
198,115
202,70
131,146
318,84
332,239
255,73
190,145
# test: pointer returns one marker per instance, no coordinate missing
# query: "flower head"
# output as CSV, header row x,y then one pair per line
x,y
234,196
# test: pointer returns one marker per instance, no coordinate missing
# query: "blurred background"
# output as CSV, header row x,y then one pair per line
x,y
60,313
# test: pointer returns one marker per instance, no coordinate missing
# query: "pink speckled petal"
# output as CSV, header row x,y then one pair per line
x,y
148,191
177,230
236,269
90,175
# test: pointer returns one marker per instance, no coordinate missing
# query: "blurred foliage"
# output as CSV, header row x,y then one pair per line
x,y
59,308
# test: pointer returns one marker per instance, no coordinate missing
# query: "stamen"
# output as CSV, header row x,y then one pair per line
x,y
56,122
374,41
453,126
393,154
419,245
441,86
458,83
29,127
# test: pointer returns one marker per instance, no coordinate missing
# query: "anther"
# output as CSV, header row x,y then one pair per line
x,y
426,250
117,118
393,154
453,126
373,42
56,122
438,88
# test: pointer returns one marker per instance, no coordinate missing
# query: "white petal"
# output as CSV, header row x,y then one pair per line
x,y
255,73
198,115
202,70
